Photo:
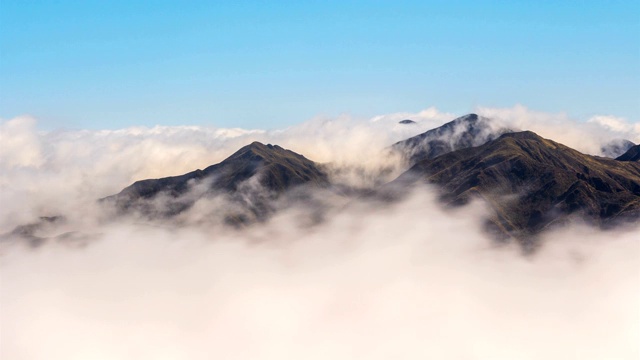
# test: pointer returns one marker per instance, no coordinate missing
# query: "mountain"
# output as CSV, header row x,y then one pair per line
x,y
633,154
533,183
465,131
615,148
253,176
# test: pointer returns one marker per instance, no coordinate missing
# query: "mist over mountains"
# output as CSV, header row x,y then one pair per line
x,y
632,154
534,183
467,131
252,177
529,182
338,238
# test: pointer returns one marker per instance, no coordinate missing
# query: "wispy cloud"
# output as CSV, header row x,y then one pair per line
x,y
371,280
586,135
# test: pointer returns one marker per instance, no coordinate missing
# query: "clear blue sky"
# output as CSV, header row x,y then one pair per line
x,y
270,64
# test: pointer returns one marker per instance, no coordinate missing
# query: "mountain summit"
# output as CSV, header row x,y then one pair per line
x,y
466,131
270,167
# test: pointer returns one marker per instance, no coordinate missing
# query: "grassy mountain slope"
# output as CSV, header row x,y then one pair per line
x,y
532,183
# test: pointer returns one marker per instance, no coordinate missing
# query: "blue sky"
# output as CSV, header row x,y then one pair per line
x,y
268,64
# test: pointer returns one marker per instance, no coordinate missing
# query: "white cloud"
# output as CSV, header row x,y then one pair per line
x,y
407,280
616,124
62,170
19,143
586,136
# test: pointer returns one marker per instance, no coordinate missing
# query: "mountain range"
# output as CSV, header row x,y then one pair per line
x,y
531,183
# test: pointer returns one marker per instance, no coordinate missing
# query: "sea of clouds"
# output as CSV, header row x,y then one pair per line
x,y
371,280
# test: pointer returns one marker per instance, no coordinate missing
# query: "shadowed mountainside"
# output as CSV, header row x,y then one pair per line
x,y
533,183
633,154
463,132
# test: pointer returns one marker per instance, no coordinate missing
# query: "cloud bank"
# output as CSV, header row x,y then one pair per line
x,y
58,171
403,280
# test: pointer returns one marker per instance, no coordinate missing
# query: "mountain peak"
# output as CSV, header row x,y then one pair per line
x,y
523,135
259,151
258,146
471,116
469,120
261,146
275,169
465,131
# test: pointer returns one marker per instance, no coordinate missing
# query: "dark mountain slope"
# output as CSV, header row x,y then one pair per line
x,y
633,154
533,182
465,131
275,170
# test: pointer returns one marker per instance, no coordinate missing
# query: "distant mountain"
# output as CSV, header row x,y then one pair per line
x,y
257,172
533,183
465,131
615,148
633,154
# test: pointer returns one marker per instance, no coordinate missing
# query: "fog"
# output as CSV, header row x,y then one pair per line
x,y
372,280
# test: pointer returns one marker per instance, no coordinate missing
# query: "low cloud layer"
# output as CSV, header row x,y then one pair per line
x,y
404,280
409,281
45,173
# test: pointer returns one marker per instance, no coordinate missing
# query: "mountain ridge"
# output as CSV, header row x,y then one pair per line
x,y
550,182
